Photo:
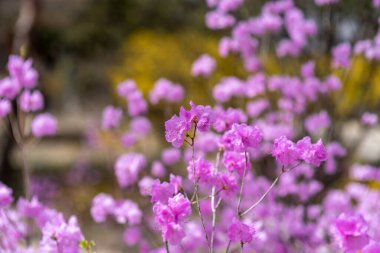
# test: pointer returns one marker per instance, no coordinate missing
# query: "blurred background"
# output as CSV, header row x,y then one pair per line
x,y
84,48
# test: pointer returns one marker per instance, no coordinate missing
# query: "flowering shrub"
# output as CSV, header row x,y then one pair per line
x,y
254,177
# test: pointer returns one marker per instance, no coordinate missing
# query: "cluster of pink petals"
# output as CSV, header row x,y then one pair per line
x,y
203,66
165,90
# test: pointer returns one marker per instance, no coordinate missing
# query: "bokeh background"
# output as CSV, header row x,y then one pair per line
x,y
84,48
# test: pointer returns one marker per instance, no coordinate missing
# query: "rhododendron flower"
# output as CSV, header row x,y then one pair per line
x,y
312,153
102,205
203,171
59,236
44,125
132,235
203,66
176,182
235,161
9,88
341,55
5,196
21,71
140,126
240,232
158,169
171,218
369,119
219,20
164,89
5,107
127,168
127,211
351,232
176,127
145,185
171,156
285,151
241,137
161,192
111,117
317,122
31,101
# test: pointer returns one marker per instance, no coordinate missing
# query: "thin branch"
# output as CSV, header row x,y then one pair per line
x,y
242,183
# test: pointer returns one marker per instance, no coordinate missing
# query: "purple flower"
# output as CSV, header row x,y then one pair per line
x,y
111,117
203,66
140,126
341,55
255,108
229,5
158,169
351,232
9,88
5,107
317,122
176,182
171,156
369,119
5,196
218,20
128,139
235,161
312,153
164,89
145,186
203,171
132,235
102,206
22,72
44,125
31,101
240,232
285,151
176,127
59,236
171,217
127,211
127,168
161,192
241,137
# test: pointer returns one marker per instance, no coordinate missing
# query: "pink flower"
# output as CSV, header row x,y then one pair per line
x,y
341,55
127,168
5,196
31,101
161,192
171,156
102,205
44,125
164,89
203,66
317,122
241,137
22,72
158,169
171,218
312,153
219,20
369,119
9,88
240,232
111,117
351,232
5,107
285,151
203,171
